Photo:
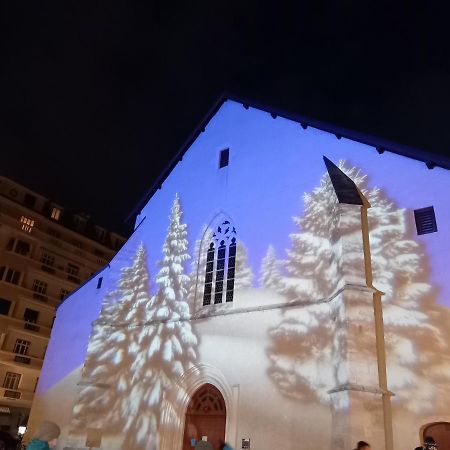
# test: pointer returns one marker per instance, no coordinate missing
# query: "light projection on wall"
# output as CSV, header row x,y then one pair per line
x,y
416,328
155,325
140,346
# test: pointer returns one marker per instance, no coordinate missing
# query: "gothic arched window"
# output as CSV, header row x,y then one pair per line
x,y
220,265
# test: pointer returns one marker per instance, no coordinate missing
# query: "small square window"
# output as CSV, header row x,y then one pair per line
x,y
425,220
224,158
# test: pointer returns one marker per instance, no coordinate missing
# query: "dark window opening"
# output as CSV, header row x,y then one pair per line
x,y
224,158
29,200
209,275
425,220
23,248
10,244
4,306
231,270
99,282
220,271
12,276
30,315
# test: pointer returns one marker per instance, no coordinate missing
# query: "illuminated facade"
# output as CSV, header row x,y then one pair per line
x,y
285,287
44,255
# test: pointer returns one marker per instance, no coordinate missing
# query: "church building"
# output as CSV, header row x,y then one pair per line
x,y
286,287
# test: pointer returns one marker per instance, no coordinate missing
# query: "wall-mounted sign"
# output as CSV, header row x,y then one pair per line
x,y
246,443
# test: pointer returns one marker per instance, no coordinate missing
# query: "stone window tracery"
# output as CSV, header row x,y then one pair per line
x,y
220,265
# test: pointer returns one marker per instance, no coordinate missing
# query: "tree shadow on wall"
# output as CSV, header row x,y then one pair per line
x,y
303,347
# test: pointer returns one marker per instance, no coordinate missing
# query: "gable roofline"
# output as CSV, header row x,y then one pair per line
x,y
431,160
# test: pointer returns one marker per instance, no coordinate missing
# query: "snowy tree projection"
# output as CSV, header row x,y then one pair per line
x,y
244,273
300,350
139,347
103,397
270,270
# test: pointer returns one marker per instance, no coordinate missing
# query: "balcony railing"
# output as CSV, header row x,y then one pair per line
x,y
47,269
31,326
41,297
9,393
10,358
74,279
22,396
22,359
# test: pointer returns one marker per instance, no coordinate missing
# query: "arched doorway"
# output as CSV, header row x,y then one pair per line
x,y
205,416
440,432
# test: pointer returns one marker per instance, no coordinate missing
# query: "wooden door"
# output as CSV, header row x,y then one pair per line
x,y
440,432
205,416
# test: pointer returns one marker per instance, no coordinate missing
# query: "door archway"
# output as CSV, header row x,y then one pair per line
x,y
205,416
440,432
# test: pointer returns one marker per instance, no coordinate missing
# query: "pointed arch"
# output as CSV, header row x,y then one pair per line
x,y
216,262
191,380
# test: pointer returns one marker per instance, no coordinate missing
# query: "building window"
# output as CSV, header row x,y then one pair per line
x,y
27,224
99,282
224,158
10,244
40,287
47,259
56,213
10,275
21,347
5,305
30,315
101,234
425,220
23,248
72,269
11,380
220,265
64,293
18,246
79,223
29,200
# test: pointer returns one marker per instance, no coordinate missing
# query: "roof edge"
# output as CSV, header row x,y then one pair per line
x,y
431,160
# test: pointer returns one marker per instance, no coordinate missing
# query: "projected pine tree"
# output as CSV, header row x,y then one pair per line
x,y
244,273
167,346
112,350
301,345
270,270
196,283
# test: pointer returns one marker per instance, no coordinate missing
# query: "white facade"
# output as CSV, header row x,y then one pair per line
x,y
344,336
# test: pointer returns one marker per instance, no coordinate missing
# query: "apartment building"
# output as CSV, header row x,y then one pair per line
x,y
46,252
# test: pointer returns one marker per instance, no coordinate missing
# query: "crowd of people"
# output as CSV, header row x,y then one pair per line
x,y
47,435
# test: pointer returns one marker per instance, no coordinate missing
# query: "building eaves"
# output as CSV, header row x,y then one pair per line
x,y
431,160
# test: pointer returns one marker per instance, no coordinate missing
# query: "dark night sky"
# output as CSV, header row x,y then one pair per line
x,y
96,99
